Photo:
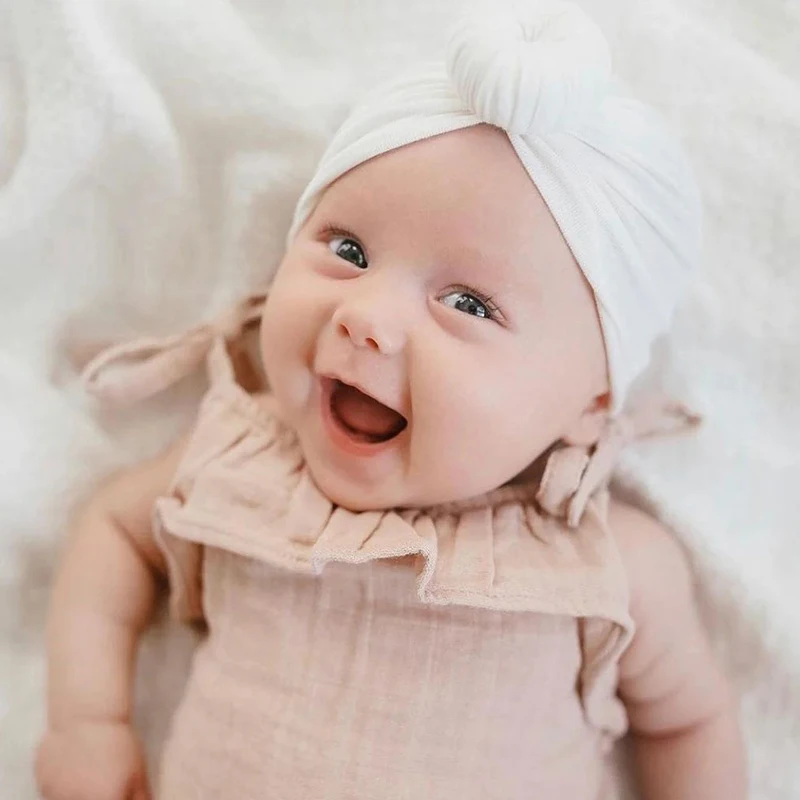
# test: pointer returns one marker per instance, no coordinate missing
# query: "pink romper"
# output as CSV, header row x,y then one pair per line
x,y
464,651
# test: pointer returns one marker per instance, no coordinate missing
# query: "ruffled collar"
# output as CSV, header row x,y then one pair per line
x,y
243,487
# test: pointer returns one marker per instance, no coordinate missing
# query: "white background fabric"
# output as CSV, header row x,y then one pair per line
x,y
150,154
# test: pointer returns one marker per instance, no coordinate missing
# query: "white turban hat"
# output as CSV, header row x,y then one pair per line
x,y
617,183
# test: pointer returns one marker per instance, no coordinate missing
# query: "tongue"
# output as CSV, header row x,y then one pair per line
x,y
364,415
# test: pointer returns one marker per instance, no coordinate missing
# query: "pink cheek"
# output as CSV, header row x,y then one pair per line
x,y
293,325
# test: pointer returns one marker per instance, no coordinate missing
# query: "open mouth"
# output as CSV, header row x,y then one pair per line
x,y
362,418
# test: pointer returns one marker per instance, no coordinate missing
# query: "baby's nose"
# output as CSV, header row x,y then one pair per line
x,y
369,326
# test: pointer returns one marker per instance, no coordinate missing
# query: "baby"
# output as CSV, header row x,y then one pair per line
x,y
411,577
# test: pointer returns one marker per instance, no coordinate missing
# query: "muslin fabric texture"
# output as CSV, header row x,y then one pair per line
x,y
468,650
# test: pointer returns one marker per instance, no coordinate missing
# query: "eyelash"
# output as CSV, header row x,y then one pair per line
x,y
331,231
496,315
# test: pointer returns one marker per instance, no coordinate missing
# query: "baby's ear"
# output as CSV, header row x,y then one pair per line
x,y
588,428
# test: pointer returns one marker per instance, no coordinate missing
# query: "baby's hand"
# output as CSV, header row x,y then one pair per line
x,y
92,761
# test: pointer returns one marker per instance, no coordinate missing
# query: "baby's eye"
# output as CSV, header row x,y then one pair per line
x,y
468,304
350,250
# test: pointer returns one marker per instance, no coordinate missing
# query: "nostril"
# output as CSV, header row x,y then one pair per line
x,y
343,330
372,343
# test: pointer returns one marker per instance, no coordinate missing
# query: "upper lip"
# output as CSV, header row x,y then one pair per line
x,y
361,388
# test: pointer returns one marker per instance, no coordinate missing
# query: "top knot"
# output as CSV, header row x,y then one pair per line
x,y
531,72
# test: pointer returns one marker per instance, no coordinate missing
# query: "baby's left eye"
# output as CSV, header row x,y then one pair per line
x,y
468,304
350,250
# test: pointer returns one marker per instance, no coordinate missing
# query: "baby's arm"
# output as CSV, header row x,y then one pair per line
x,y
102,599
683,715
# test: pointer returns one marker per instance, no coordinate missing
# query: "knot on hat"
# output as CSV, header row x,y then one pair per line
x,y
532,71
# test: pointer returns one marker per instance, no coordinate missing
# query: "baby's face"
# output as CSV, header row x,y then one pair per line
x,y
428,333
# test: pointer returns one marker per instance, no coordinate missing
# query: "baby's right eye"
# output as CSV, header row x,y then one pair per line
x,y
350,250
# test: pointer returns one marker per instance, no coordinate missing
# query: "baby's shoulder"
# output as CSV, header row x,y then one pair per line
x,y
125,500
655,561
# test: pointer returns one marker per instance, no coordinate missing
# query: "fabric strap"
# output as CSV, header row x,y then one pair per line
x,y
133,371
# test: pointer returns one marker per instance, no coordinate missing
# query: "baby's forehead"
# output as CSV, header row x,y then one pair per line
x,y
466,188
479,157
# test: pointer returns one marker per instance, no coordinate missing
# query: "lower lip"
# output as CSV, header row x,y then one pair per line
x,y
339,436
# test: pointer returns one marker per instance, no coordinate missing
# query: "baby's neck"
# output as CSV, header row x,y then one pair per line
x,y
532,474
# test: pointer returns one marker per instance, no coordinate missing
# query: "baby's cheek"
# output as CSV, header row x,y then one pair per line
x,y
463,445
283,341
507,417
291,317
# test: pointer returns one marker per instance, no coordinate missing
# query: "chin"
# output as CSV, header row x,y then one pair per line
x,y
351,496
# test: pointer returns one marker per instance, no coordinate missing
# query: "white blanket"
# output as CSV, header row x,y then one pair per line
x,y
150,153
